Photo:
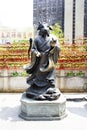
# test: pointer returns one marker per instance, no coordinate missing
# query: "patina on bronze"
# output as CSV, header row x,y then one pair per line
x,y
42,74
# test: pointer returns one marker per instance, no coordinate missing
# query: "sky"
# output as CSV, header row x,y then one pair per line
x,y
16,13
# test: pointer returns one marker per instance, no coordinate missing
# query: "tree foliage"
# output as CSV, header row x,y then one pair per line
x,y
57,31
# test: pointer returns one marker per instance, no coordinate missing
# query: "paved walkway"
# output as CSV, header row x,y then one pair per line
x,y
10,109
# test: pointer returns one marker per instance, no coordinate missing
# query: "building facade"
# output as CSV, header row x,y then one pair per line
x,y
75,20
49,11
70,14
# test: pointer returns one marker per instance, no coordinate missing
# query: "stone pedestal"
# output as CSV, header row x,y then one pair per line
x,y
42,110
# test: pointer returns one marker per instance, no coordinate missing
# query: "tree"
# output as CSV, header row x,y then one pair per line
x,y
57,31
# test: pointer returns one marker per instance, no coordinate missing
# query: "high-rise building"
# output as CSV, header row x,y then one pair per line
x,y
75,20
70,14
60,13
49,11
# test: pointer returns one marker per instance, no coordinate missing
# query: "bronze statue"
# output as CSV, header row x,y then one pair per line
x,y
42,74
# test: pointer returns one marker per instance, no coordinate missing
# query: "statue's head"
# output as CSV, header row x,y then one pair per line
x,y
44,29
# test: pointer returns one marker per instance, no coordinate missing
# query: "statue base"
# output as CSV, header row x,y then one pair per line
x,y
43,110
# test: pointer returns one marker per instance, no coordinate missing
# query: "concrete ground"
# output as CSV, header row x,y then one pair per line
x,y
10,109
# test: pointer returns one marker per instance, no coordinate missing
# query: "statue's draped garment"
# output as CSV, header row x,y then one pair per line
x,y
42,74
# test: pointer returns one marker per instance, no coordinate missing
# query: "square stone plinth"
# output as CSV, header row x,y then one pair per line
x,y
42,110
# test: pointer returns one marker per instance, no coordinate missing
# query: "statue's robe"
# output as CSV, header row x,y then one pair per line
x,y
42,74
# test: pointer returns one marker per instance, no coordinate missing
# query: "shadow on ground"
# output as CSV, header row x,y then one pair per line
x,y
79,109
10,113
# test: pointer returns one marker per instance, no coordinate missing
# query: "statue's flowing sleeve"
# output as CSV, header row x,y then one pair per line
x,y
55,52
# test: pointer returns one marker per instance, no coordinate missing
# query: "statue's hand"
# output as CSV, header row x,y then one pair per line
x,y
38,54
